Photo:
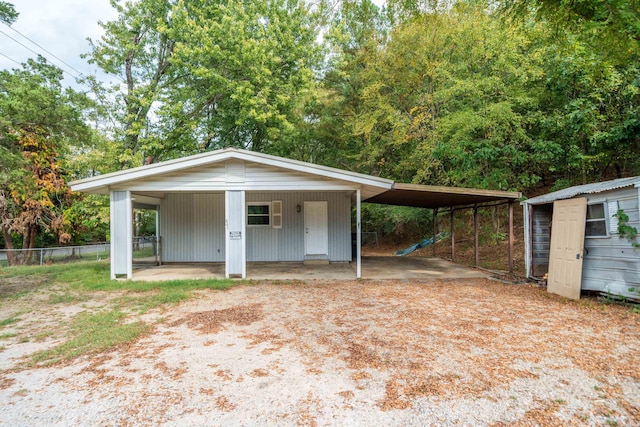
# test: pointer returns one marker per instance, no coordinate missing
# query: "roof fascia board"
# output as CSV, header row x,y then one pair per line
x,y
219,188
458,190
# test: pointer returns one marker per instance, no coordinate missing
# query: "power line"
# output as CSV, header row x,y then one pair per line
x,y
50,53
10,59
37,53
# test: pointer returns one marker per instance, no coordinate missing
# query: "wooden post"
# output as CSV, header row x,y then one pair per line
x,y
358,234
435,230
476,222
511,238
453,238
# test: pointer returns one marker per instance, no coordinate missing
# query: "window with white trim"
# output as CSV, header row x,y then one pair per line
x,y
259,214
596,225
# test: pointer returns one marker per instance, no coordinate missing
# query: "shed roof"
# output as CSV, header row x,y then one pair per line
x,y
596,187
431,196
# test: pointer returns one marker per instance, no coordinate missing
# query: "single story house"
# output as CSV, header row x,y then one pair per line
x,y
236,206
572,236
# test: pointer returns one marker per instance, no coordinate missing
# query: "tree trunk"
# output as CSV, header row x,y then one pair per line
x,y
6,233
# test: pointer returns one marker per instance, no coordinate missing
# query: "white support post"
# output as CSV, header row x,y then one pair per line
x,y
358,236
129,214
121,247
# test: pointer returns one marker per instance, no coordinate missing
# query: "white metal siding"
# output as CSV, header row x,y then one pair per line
x,y
208,220
192,228
235,233
256,177
287,243
121,233
611,263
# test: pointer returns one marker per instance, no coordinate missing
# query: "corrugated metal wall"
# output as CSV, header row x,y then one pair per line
x,y
192,227
541,238
287,243
611,263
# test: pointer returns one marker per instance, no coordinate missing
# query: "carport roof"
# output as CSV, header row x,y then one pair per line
x,y
431,196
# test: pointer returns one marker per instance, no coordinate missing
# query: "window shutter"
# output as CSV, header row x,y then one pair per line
x,y
613,220
276,213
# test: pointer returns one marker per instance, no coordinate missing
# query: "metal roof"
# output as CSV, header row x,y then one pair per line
x,y
430,196
100,184
596,187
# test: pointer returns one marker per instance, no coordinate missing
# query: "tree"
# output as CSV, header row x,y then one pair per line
x,y
40,120
202,75
136,49
247,66
446,100
8,13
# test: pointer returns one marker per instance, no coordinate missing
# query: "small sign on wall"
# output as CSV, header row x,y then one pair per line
x,y
235,235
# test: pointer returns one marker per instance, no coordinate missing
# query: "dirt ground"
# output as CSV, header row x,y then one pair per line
x,y
474,352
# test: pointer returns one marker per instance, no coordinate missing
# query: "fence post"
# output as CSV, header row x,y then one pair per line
x,y
40,257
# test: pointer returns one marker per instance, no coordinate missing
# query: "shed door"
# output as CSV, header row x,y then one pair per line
x,y
316,228
567,244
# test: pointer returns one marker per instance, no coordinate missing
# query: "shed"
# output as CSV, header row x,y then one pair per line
x,y
237,206
571,236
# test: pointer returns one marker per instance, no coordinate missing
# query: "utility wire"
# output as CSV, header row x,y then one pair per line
x,y
50,53
28,48
10,59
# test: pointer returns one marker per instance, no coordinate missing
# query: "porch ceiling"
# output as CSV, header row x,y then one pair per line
x,y
430,196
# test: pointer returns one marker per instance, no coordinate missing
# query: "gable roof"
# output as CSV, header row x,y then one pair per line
x,y
100,184
596,187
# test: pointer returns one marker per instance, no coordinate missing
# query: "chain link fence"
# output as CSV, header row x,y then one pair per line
x,y
145,250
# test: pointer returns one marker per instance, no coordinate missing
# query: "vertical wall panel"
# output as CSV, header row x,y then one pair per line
x,y
235,235
287,243
177,227
192,227
208,222
121,233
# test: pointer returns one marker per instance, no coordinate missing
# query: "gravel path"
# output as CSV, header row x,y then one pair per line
x,y
356,353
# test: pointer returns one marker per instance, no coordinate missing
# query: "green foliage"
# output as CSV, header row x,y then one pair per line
x,y
8,13
625,230
214,75
39,123
397,221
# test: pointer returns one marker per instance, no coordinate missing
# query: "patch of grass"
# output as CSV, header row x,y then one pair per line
x,y
7,335
90,334
64,298
8,321
95,276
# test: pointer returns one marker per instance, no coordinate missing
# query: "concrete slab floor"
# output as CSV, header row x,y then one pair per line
x,y
373,268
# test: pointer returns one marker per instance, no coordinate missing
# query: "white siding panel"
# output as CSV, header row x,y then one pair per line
x,y
192,228
287,243
208,219
177,228
256,177
611,264
121,233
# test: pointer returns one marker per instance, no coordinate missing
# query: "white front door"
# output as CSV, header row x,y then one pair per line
x,y
567,241
316,228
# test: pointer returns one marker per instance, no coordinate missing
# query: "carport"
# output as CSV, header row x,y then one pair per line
x,y
448,200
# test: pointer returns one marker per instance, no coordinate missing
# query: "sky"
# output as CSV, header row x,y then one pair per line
x,y
59,26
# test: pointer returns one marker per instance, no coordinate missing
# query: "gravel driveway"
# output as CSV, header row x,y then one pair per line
x,y
352,353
